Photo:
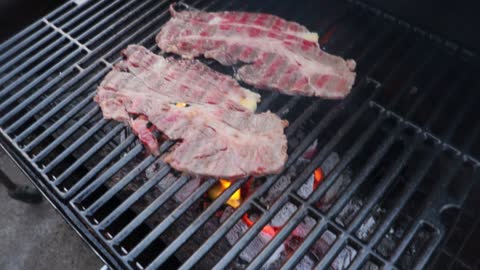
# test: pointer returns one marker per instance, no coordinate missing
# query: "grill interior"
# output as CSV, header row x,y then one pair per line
x,y
400,153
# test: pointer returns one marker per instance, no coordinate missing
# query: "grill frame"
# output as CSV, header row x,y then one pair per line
x,y
78,221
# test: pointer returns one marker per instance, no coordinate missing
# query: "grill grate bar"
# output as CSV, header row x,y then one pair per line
x,y
59,122
194,226
260,223
375,198
13,41
84,18
127,179
89,153
95,170
56,109
34,96
147,212
104,177
230,222
313,236
107,221
80,141
401,203
118,186
378,192
377,157
127,16
34,70
107,43
42,45
170,219
65,135
373,161
279,238
64,15
105,19
229,256
69,5
15,97
149,35
21,45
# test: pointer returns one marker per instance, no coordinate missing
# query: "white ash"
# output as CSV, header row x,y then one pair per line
x,y
327,166
370,224
283,215
305,264
281,184
322,245
344,259
349,211
334,192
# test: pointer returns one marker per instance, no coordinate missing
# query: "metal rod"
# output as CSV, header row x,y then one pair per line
x,y
53,111
169,220
147,212
139,193
75,145
82,159
66,134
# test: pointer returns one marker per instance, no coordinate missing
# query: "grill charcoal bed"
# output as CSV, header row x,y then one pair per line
x,y
399,154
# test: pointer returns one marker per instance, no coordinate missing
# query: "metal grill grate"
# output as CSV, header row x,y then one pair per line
x,y
403,155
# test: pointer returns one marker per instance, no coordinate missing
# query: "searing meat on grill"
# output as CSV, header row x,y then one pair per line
x,y
182,80
140,127
275,53
223,138
212,141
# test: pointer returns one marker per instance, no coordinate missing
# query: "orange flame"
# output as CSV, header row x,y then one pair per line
x,y
268,229
234,201
318,177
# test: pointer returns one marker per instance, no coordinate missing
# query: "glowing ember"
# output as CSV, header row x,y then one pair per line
x,y
234,201
268,229
318,177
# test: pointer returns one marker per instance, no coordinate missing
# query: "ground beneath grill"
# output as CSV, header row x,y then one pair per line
x,y
36,237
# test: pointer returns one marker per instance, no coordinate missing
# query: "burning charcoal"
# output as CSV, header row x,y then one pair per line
x,y
305,264
348,212
344,259
322,245
255,246
334,192
330,163
366,229
370,224
283,215
304,227
307,188
277,188
326,167
392,237
274,261
370,266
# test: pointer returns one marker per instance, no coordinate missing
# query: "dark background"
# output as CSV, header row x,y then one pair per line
x,y
458,21
18,14
454,20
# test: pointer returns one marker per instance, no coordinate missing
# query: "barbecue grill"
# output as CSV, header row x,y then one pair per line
x,y
394,165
